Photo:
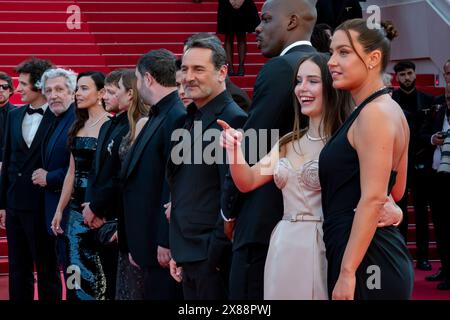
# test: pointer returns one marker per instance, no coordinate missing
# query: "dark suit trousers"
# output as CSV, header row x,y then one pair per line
x,y
159,285
247,272
29,244
440,208
201,281
419,185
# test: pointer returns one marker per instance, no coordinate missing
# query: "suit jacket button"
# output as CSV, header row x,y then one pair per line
x,y
229,206
19,174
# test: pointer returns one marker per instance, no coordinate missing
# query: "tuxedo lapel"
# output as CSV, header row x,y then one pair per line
x,y
147,133
63,124
43,128
17,128
101,141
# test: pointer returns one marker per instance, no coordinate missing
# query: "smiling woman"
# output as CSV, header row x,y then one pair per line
x,y
296,242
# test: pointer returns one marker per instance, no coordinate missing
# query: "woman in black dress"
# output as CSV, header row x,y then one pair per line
x,y
236,17
130,278
363,162
83,258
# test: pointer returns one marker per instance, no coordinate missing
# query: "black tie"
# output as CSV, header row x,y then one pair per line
x,y
31,111
114,119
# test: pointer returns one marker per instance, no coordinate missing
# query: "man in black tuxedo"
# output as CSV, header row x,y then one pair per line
x,y
416,106
6,91
283,35
28,241
145,190
198,244
58,86
435,133
103,194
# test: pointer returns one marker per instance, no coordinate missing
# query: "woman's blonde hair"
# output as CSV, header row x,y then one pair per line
x,y
137,109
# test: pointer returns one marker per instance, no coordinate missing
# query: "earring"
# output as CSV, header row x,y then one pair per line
x,y
370,66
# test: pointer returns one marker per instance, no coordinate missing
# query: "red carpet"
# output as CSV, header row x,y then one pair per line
x,y
423,290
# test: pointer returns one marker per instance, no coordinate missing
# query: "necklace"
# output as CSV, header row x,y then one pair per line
x,y
314,138
96,121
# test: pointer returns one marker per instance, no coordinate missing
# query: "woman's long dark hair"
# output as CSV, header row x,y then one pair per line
x,y
82,115
336,103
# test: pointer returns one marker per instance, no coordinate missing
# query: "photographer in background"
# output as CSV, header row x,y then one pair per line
x,y
437,133
416,106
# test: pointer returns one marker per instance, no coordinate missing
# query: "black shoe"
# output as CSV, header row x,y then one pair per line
x,y
438,276
444,285
423,265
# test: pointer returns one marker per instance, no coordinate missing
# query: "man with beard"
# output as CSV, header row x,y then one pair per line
x,y
416,105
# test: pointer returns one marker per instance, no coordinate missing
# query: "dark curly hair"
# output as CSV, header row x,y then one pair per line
x,y
35,68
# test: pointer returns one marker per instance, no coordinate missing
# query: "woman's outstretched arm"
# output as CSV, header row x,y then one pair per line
x,y
246,178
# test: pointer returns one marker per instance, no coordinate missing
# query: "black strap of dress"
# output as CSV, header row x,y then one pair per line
x,y
370,98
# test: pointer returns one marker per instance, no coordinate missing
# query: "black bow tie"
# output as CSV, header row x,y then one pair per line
x,y
31,111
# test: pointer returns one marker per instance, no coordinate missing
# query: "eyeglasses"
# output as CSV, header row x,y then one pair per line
x,y
4,86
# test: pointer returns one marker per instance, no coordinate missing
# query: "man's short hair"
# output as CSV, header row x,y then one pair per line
x,y
113,77
5,77
160,64
219,57
201,36
35,68
403,65
69,75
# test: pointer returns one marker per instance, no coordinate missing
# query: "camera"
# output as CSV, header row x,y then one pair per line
x,y
444,134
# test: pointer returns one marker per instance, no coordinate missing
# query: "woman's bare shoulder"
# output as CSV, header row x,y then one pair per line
x,y
140,124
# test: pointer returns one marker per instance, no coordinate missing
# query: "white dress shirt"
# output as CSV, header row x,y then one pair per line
x,y
437,151
30,125
296,43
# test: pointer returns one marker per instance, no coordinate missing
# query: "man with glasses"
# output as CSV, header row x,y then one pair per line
x,y
6,91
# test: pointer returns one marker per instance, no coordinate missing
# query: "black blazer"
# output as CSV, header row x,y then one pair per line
x,y
55,160
239,95
258,211
196,231
3,115
145,189
17,191
104,189
416,115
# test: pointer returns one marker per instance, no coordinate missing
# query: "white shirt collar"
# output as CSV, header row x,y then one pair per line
x,y
297,43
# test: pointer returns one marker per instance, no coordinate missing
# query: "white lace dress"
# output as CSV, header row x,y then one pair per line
x,y
296,265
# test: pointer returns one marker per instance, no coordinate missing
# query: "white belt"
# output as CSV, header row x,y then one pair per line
x,y
302,217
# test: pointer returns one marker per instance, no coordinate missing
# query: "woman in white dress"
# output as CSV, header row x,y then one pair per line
x,y
296,265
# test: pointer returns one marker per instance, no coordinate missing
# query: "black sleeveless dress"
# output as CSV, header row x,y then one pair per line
x,y
81,240
387,255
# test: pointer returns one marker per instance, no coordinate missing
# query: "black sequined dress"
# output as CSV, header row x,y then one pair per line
x,y
88,281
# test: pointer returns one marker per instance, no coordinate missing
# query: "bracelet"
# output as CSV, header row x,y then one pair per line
x,y
225,218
